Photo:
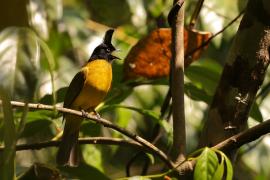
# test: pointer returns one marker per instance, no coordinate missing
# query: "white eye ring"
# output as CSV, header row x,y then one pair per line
x,y
108,49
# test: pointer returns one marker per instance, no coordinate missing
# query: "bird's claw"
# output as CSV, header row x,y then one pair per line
x,y
97,114
84,113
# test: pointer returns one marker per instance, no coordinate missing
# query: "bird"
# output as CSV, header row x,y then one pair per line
x,y
86,91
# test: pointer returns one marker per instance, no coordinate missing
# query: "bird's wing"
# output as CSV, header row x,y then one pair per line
x,y
74,89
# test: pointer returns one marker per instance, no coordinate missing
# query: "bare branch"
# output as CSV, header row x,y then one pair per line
x,y
88,140
229,144
152,148
244,137
233,142
176,19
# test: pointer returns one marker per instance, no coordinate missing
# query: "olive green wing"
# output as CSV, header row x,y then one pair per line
x,y
74,89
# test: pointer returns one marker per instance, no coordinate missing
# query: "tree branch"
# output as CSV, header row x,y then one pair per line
x,y
229,144
244,137
242,76
233,142
105,123
176,19
88,140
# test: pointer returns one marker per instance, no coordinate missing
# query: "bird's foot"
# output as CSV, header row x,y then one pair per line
x,y
84,113
97,114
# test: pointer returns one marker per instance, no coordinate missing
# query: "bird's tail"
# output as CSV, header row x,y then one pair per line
x,y
69,151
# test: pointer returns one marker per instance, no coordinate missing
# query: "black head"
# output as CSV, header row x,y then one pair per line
x,y
105,49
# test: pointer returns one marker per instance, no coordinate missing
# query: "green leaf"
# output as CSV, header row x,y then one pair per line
x,y
229,168
92,155
229,175
19,59
90,129
38,127
255,112
117,10
60,96
204,76
206,165
50,63
136,178
153,115
83,172
22,120
7,163
148,113
117,95
220,170
40,171
151,157
196,93
38,17
38,123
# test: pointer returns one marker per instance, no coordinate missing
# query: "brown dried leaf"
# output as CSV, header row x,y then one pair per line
x,y
149,58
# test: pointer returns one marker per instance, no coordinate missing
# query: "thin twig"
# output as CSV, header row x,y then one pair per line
x,y
88,140
196,13
216,34
105,123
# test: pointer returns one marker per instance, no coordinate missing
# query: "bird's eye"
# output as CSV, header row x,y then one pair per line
x,y
108,49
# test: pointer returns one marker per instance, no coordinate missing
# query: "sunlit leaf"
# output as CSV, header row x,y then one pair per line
x,y
151,157
214,17
93,156
137,178
220,170
36,10
229,175
144,112
50,63
229,168
54,10
19,58
206,165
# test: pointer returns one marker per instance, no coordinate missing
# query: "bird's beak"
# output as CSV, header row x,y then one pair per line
x,y
114,54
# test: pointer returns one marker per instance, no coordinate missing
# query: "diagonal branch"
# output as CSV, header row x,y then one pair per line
x,y
105,123
229,144
244,137
233,142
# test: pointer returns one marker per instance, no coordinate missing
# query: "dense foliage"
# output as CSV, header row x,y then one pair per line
x,y
42,49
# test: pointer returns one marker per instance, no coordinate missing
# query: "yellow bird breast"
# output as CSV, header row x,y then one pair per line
x,y
98,78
